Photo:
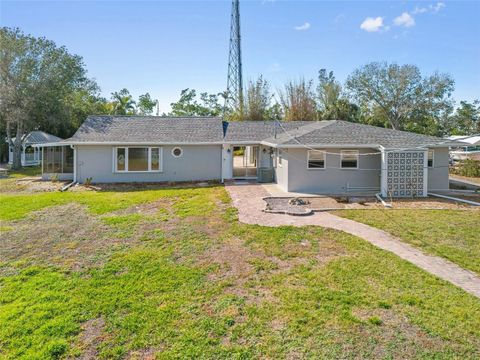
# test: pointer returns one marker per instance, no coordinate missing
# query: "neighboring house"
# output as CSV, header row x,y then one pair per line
x,y
31,154
470,150
322,157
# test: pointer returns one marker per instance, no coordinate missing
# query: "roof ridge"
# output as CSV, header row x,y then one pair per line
x,y
303,129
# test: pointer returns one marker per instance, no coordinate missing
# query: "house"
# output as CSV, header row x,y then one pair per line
x,y
321,157
31,154
470,150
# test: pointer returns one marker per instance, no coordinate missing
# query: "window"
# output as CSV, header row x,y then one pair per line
x,y
155,159
316,159
121,162
349,159
279,158
430,158
177,152
137,159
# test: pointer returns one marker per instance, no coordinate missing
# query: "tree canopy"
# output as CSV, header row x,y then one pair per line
x,y
37,80
401,94
43,86
189,105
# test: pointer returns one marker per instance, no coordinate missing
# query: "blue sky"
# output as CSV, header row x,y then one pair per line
x,y
163,47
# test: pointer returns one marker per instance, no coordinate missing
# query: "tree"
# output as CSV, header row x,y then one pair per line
x,y
80,104
36,78
465,120
274,112
257,100
123,103
188,105
145,104
298,101
400,93
332,104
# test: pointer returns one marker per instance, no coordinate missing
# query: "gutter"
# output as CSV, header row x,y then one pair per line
x,y
127,143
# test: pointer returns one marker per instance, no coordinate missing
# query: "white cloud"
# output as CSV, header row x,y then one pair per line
x,y
405,20
418,10
303,27
437,7
430,8
372,24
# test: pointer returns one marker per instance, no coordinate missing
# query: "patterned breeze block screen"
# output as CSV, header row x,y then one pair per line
x,y
406,173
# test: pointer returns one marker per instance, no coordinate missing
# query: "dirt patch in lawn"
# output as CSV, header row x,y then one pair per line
x,y
143,354
395,328
245,269
236,267
66,236
30,185
142,186
90,337
149,208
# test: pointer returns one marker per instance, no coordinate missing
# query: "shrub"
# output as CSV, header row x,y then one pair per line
x,y
469,167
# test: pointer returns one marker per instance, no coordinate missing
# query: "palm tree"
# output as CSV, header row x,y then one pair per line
x,y
123,103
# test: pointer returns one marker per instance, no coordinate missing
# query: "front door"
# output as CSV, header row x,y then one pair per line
x,y
245,160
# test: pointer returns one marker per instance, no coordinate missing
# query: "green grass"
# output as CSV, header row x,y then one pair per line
x,y
25,172
188,201
196,283
451,234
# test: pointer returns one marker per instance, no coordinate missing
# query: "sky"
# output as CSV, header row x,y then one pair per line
x,y
162,47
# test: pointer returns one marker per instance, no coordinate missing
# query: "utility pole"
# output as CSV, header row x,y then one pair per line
x,y
234,94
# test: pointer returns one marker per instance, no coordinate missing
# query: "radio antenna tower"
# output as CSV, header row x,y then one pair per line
x,y
234,94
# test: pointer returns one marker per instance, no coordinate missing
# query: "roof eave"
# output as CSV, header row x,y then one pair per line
x,y
129,143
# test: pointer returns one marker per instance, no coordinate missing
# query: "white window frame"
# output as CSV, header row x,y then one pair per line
x,y
181,152
114,159
279,158
324,159
343,153
431,151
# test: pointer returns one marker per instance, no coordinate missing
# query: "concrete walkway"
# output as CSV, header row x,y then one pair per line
x,y
248,200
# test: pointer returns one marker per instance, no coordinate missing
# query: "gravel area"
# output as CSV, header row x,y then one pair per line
x,y
280,205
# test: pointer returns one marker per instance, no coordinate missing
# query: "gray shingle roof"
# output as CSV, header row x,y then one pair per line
x,y
256,131
155,129
184,130
338,132
39,137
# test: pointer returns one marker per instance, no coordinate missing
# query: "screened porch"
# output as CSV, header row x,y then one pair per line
x,y
57,162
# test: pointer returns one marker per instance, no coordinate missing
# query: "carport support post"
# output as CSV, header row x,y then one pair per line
x,y
425,173
74,162
383,174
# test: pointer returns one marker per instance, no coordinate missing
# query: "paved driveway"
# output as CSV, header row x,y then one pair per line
x,y
248,200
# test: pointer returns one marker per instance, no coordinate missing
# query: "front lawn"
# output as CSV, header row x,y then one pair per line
x,y
171,273
452,234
